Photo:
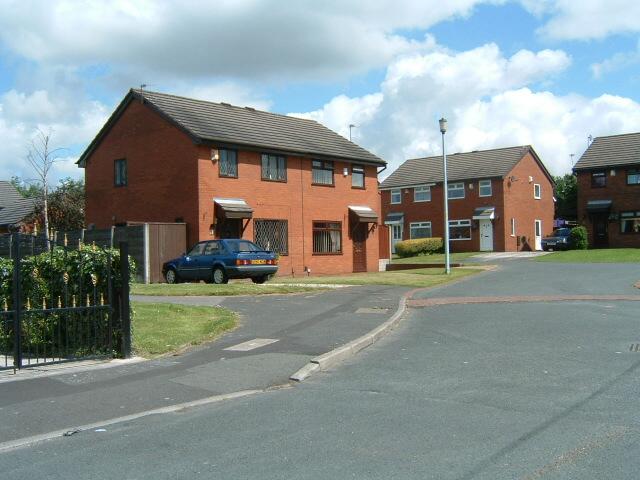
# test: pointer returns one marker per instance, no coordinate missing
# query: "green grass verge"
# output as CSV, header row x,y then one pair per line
x,y
605,255
230,289
160,328
421,277
435,258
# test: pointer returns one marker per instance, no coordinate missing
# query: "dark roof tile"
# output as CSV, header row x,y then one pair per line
x,y
611,151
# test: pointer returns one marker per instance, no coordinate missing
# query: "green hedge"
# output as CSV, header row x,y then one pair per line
x,y
579,238
419,246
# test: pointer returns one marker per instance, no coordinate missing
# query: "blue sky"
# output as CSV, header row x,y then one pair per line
x,y
547,72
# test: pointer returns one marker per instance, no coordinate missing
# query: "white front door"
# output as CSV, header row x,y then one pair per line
x,y
486,236
538,233
396,235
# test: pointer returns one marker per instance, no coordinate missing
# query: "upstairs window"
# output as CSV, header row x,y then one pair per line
x,y
422,193
484,188
537,191
633,177
598,179
322,172
357,176
396,195
455,190
274,168
228,163
120,172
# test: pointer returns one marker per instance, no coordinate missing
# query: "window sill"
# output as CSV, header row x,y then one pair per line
x,y
275,181
421,201
326,254
357,188
458,239
323,185
485,196
227,176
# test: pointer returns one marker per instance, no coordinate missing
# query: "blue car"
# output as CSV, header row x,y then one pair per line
x,y
560,239
216,261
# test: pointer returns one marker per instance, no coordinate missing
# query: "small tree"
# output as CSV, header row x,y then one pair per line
x,y
579,238
566,192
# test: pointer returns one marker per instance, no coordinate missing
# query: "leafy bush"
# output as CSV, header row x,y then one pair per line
x,y
419,246
579,238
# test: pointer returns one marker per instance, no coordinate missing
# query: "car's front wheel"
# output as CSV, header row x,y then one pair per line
x,y
219,276
171,276
260,279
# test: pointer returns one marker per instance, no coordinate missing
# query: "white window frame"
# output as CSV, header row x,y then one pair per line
x,y
513,227
537,191
455,186
422,189
395,191
484,184
413,225
459,223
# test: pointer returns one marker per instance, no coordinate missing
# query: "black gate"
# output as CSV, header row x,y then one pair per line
x,y
60,303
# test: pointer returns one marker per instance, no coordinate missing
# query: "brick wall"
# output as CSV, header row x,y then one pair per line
x,y
624,198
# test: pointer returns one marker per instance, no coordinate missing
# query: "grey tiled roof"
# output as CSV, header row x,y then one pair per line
x,y
245,126
611,151
13,206
460,166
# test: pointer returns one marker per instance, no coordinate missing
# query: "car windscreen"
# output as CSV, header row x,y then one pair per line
x,y
243,246
561,232
196,250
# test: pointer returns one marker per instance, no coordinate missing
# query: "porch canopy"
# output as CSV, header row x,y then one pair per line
x,y
232,208
364,214
599,206
484,213
394,218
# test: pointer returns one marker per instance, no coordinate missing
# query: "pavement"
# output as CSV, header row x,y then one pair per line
x,y
278,335
532,388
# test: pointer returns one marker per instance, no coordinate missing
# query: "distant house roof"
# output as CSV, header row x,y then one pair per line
x,y
13,206
611,151
460,166
222,123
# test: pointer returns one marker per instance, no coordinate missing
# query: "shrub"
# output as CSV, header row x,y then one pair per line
x,y
419,246
579,238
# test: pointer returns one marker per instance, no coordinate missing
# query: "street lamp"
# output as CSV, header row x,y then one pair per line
x,y
445,188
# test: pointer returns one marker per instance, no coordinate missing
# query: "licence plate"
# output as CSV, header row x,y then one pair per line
x,y
258,262
551,243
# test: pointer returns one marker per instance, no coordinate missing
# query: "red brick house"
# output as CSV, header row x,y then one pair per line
x,y
609,191
499,200
290,184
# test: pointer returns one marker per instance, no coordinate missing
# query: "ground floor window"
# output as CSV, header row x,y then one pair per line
x,y
420,230
272,235
460,229
630,222
327,237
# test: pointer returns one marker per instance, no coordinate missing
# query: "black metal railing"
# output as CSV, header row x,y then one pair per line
x,y
62,303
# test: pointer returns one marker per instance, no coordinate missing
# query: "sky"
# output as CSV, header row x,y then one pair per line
x,y
549,73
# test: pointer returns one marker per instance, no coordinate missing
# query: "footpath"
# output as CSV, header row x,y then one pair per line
x,y
277,336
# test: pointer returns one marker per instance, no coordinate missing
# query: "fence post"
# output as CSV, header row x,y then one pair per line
x,y
125,311
17,307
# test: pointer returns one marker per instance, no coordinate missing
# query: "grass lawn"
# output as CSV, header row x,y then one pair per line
x,y
435,258
234,288
421,277
161,327
604,255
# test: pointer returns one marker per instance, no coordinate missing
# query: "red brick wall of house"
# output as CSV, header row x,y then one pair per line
x,y
624,198
510,199
520,204
285,201
161,173
169,177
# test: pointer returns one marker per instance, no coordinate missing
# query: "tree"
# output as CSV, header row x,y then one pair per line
x,y
566,192
27,190
41,157
66,205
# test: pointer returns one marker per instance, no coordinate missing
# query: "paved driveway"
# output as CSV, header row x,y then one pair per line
x,y
464,391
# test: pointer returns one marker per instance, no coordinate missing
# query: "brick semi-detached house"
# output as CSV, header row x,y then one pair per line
x,y
499,200
609,191
290,184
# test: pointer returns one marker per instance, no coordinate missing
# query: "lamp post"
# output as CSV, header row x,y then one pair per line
x,y
445,188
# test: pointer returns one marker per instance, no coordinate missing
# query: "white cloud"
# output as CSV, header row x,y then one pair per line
x,y
489,102
586,19
617,62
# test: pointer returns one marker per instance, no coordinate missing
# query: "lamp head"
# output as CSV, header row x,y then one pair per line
x,y
443,125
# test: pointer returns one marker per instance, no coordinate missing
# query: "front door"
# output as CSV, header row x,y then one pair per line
x,y
359,237
396,235
486,236
538,234
601,230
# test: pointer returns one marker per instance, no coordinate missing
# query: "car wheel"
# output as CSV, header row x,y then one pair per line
x,y
219,276
171,276
261,279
